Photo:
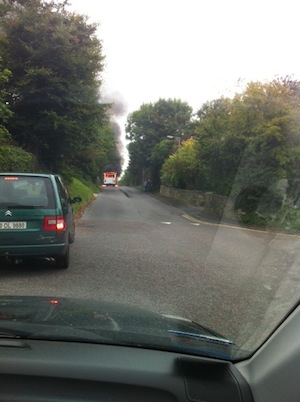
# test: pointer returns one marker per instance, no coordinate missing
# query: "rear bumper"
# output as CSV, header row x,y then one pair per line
x,y
41,250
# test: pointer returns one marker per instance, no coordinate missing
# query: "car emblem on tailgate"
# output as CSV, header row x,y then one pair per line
x,y
8,213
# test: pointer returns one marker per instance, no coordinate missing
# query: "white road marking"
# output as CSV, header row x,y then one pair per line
x,y
166,223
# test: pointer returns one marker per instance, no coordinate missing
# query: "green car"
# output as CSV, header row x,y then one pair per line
x,y
36,217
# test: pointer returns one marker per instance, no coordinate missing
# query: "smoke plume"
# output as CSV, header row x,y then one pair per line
x,y
117,113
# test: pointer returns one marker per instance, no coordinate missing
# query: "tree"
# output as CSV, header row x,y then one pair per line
x,y
181,169
250,140
272,139
243,145
146,128
219,146
5,112
56,60
12,158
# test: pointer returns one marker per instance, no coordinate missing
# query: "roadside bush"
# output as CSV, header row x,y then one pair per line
x,y
252,219
15,159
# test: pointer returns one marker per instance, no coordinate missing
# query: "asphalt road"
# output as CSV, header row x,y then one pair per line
x,y
132,248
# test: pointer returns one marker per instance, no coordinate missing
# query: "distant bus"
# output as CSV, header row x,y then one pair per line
x,y
110,179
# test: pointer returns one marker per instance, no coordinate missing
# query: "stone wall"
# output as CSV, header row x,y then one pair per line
x,y
190,197
210,203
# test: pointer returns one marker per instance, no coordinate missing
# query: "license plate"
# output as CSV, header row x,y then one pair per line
x,y
13,225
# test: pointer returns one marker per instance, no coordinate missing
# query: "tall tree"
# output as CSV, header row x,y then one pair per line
x,y
56,60
5,112
147,127
11,157
219,146
272,140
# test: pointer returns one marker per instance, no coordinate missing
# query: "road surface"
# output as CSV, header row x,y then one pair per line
x,y
132,248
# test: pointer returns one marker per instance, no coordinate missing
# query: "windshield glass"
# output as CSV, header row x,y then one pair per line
x,y
172,129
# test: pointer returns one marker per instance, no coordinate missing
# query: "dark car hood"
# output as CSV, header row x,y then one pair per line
x,y
103,322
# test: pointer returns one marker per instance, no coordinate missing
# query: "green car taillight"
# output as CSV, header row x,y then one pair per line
x,y
56,223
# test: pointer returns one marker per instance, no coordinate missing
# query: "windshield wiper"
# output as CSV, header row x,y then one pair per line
x,y
208,338
210,345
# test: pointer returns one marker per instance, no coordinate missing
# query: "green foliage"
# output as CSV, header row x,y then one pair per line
x,y
56,61
12,158
15,159
5,112
161,151
78,188
242,147
147,129
249,198
289,218
268,110
219,146
179,169
252,219
250,140
125,179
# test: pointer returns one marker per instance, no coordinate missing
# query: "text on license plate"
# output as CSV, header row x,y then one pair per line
x,y
13,225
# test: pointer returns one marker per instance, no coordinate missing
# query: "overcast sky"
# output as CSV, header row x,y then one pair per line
x,y
193,50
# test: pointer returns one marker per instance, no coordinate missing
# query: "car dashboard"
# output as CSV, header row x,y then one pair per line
x,y
59,371
37,370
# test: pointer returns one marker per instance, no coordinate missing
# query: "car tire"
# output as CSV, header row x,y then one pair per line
x,y
62,261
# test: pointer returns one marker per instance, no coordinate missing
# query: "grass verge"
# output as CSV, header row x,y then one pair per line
x,y
85,191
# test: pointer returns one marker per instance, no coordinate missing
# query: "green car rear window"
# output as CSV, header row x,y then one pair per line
x,y
26,191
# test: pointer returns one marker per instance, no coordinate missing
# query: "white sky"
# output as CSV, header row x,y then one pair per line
x,y
193,50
